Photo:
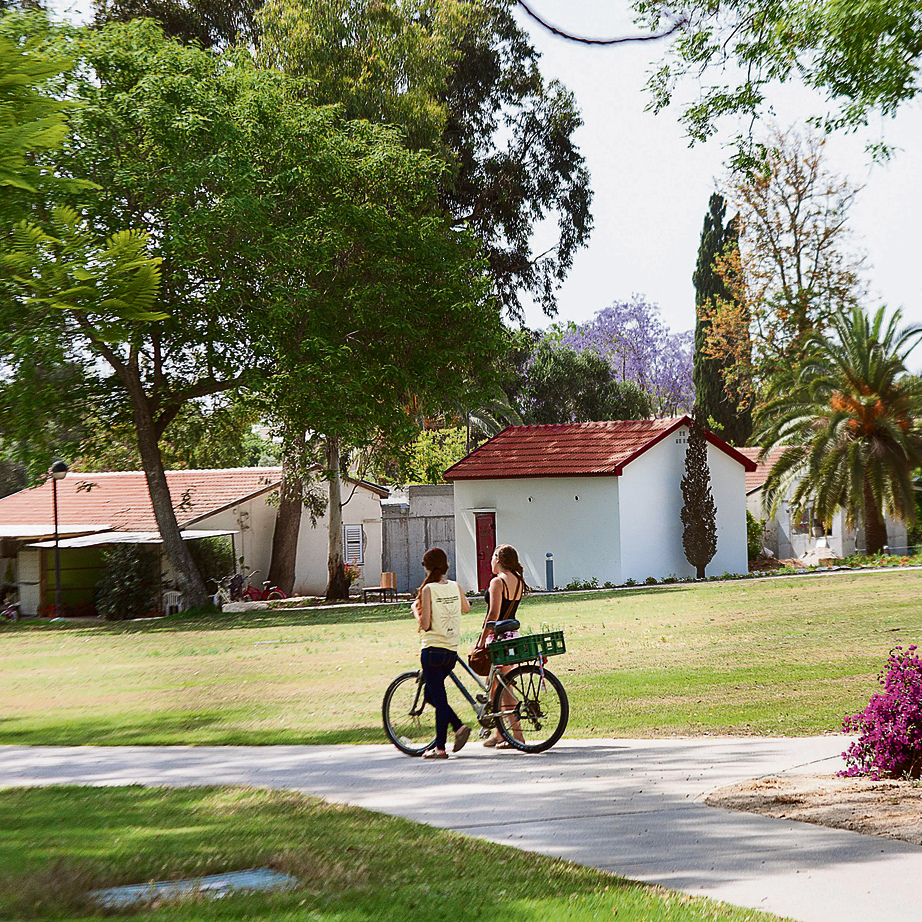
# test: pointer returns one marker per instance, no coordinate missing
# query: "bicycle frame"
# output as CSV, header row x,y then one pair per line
x,y
480,709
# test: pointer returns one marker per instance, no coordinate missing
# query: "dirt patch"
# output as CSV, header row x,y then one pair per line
x,y
876,808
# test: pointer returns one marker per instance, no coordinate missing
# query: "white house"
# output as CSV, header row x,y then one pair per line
x,y
791,536
604,498
96,510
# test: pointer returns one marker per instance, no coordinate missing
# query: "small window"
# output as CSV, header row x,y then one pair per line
x,y
353,545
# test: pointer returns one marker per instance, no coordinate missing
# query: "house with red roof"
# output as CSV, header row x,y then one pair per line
x,y
790,534
604,498
97,510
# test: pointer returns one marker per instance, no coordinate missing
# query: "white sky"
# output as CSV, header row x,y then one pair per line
x,y
651,190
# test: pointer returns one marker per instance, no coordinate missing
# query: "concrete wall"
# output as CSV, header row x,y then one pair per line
x,y
651,506
411,528
574,518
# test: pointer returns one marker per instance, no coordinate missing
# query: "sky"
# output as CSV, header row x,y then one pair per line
x,y
651,189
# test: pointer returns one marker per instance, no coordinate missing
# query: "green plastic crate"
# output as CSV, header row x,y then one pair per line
x,y
519,649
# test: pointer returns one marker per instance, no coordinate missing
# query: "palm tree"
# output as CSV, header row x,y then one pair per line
x,y
850,420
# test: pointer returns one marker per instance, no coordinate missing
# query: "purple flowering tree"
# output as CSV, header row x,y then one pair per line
x,y
632,338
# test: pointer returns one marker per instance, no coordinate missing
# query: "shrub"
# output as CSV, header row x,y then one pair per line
x,y
651,580
754,534
577,584
890,727
130,583
214,557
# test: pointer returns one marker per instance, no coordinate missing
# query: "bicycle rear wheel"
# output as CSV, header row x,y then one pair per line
x,y
408,721
539,713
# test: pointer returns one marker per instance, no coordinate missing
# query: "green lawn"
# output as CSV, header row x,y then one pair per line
x,y
784,657
60,843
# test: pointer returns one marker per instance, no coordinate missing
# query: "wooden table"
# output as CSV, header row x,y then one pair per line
x,y
381,591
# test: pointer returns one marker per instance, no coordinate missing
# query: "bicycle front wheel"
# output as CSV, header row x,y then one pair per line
x,y
276,595
533,714
408,721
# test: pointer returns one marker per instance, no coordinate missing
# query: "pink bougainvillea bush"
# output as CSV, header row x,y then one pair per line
x,y
889,729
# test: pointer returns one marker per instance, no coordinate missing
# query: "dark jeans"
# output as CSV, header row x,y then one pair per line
x,y
437,663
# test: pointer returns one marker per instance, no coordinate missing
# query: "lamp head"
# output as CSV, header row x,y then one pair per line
x,y
58,470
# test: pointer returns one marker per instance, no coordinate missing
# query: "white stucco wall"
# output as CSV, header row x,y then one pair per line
x,y
651,506
364,508
255,521
574,518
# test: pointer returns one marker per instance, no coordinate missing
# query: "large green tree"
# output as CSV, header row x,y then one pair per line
x,y
561,385
257,206
848,417
460,79
726,407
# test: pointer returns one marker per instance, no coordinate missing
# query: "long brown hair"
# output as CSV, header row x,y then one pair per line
x,y
508,558
436,563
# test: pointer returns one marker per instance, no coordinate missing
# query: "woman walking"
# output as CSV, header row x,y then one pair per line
x,y
503,596
437,608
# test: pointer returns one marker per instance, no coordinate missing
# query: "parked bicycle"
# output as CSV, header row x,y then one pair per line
x,y
253,594
528,705
237,588
9,610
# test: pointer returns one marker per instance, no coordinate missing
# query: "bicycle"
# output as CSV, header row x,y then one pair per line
x,y
9,610
536,706
268,593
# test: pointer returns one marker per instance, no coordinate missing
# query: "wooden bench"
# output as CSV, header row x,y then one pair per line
x,y
387,588
382,592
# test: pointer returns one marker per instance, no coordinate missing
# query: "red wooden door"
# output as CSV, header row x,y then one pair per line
x,y
485,523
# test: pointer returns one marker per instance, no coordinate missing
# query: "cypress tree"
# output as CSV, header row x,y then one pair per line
x,y
699,513
734,424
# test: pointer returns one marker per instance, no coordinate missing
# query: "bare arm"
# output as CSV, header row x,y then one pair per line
x,y
465,603
422,610
496,596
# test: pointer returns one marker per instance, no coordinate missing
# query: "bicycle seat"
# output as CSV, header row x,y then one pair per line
x,y
504,627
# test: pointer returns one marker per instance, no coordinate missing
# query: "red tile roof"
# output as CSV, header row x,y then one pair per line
x,y
121,500
757,477
571,450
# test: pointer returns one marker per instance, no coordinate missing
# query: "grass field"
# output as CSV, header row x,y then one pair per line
x,y
60,843
777,657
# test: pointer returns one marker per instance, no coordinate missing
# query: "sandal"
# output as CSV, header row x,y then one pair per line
x,y
435,754
503,744
489,742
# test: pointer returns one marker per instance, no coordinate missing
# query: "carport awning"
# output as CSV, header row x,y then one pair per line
x,y
129,537
43,529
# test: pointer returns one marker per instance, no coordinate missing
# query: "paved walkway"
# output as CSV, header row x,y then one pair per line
x,y
634,807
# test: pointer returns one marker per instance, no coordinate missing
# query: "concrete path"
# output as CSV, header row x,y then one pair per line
x,y
633,807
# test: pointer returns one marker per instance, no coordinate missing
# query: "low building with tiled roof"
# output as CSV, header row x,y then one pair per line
x,y
96,510
789,534
604,498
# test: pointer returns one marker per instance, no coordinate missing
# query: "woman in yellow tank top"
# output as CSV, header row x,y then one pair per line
x,y
438,607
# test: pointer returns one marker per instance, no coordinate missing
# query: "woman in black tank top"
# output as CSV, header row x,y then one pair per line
x,y
503,596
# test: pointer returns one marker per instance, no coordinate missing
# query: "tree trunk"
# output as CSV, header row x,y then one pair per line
x,y
287,529
188,578
875,528
337,586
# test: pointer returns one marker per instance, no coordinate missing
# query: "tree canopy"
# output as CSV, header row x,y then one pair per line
x,y
861,57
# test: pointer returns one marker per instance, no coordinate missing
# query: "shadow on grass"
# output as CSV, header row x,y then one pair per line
x,y
58,842
198,728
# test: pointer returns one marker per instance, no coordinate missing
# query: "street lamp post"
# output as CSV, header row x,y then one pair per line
x,y
58,472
